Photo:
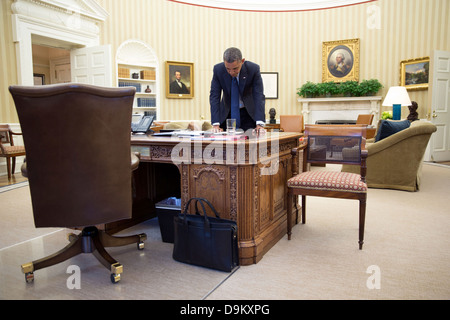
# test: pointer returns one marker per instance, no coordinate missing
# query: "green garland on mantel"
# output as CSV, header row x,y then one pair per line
x,y
333,89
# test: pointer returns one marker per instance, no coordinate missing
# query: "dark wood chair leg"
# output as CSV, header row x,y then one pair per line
x,y
111,241
362,219
8,167
303,209
296,207
289,214
13,167
104,257
71,250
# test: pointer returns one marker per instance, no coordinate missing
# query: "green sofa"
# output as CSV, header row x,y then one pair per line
x,y
395,162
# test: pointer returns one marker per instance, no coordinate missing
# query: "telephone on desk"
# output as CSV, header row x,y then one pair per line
x,y
141,124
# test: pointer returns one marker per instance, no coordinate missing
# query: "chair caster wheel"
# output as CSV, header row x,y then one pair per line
x,y
116,271
29,277
28,270
115,277
72,237
142,238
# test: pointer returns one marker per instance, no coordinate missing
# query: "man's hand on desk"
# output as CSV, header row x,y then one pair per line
x,y
216,128
259,131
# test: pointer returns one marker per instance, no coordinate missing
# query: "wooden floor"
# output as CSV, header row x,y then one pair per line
x,y
16,178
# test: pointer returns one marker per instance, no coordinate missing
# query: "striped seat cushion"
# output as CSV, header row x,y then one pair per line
x,y
328,181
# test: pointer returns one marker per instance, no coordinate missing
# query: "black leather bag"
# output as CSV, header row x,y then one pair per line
x,y
205,241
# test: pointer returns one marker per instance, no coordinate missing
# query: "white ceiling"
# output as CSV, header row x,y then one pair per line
x,y
272,5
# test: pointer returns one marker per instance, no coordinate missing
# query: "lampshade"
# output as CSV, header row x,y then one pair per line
x,y
397,95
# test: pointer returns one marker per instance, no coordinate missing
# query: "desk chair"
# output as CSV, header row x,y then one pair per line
x,y
8,150
326,183
79,165
291,123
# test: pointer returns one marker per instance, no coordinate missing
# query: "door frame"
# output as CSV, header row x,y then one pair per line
x,y
439,141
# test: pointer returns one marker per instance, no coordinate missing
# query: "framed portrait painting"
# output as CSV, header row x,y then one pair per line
x,y
340,60
179,80
415,73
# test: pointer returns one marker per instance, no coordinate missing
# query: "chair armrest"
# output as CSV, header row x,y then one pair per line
x,y
135,159
15,133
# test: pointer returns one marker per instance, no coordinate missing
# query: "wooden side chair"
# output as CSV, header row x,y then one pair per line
x,y
291,123
8,150
364,119
327,183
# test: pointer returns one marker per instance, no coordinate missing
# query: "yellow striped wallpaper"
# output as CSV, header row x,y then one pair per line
x,y
289,43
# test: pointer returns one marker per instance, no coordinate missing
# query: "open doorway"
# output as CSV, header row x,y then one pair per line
x,y
50,65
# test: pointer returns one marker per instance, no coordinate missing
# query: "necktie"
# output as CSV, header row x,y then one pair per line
x,y
235,112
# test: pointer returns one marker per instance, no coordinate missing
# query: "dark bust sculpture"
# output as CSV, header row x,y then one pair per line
x,y
413,115
272,113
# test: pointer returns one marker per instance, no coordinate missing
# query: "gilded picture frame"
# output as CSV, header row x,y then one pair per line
x,y
340,60
179,80
415,73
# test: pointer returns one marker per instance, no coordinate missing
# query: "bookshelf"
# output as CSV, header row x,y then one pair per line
x,y
137,66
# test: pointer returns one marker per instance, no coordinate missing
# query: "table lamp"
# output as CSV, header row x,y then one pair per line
x,y
397,97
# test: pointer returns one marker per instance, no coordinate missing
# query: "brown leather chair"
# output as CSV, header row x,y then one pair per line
x,y
8,150
78,165
328,183
291,123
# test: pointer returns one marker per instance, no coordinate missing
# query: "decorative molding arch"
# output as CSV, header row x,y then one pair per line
x,y
272,5
63,23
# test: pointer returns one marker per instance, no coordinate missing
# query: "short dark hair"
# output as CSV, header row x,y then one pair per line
x,y
232,54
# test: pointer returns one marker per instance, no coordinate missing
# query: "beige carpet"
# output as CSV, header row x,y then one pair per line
x,y
406,238
16,214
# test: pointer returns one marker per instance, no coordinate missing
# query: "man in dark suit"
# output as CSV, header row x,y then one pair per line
x,y
250,98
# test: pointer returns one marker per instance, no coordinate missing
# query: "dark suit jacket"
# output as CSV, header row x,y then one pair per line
x,y
250,88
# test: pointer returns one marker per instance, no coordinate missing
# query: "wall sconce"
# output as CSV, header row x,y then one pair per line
x,y
397,97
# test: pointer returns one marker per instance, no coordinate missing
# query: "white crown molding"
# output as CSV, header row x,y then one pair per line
x,y
85,8
272,5
74,15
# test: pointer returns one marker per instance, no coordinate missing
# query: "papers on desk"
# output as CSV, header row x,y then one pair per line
x,y
178,133
222,137
202,135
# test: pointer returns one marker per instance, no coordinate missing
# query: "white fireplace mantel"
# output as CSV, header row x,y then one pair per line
x,y
339,108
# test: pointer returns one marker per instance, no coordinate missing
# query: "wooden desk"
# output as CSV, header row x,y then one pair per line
x,y
245,181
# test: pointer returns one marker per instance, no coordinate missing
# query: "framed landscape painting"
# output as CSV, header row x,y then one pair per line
x,y
415,73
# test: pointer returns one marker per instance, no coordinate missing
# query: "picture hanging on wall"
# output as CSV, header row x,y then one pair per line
x,y
179,80
39,79
270,81
340,60
415,73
